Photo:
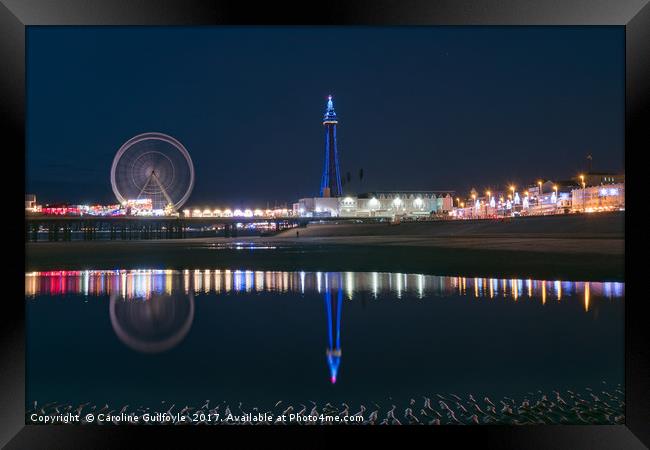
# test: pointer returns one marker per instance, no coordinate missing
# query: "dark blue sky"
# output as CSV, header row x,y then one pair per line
x,y
419,108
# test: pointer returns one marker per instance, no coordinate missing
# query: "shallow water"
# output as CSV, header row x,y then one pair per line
x,y
258,337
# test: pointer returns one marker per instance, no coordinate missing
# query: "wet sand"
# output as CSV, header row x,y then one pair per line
x,y
576,247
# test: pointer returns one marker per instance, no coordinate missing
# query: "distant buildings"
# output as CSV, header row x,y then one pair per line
x,y
605,197
598,178
132,207
30,204
591,192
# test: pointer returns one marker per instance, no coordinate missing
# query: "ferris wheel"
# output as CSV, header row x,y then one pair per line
x,y
153,166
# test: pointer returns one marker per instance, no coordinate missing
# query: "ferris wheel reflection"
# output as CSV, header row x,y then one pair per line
x,y
152,311
153,325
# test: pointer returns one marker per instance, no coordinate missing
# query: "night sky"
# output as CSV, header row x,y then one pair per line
x,y
419,108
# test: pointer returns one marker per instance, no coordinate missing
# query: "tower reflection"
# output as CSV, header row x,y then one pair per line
x,y
333,311
152,311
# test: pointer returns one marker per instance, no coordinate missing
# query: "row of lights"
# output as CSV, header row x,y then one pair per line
x,y
374,202
397,202
513,188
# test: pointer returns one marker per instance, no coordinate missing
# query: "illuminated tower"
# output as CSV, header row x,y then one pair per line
x,y
330,185
333,309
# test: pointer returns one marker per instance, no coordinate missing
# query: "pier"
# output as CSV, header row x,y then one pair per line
x,y
61,228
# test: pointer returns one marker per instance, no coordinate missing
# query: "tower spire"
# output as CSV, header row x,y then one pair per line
x,y
331,180
330,114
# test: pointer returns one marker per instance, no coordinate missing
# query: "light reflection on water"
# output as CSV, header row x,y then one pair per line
x,y
142,284
153,311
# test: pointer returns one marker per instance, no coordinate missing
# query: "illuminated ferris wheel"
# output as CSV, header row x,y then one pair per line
x,y
155,167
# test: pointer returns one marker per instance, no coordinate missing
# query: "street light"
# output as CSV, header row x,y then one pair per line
x,y
555,189
582,181
487,202
474,201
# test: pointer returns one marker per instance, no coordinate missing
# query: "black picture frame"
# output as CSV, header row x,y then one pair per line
x,y
634,15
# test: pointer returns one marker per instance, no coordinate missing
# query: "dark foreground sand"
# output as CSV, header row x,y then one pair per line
x,y
578,247
600,406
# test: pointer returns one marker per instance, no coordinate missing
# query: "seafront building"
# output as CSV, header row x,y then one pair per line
x,y
547,197
605,197
388,204
30,204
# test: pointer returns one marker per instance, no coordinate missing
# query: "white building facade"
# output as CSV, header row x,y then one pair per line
x,y
391,205
608,197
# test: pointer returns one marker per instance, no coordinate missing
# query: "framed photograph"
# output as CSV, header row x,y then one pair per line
x,y
385,218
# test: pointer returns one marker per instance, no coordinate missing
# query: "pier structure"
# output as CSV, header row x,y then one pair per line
x,y
61,228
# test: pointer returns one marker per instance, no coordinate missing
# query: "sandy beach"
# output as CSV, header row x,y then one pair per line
x,y
578,247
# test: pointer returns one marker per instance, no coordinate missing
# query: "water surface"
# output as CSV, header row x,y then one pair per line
x,y
140,337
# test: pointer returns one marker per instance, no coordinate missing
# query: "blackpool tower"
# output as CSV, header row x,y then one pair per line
x,y
330,185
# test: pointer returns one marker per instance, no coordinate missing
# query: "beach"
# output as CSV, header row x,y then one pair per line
x,y
579,247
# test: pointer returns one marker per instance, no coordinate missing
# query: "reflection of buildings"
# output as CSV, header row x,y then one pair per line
x,y
333,310
151,311
144,284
